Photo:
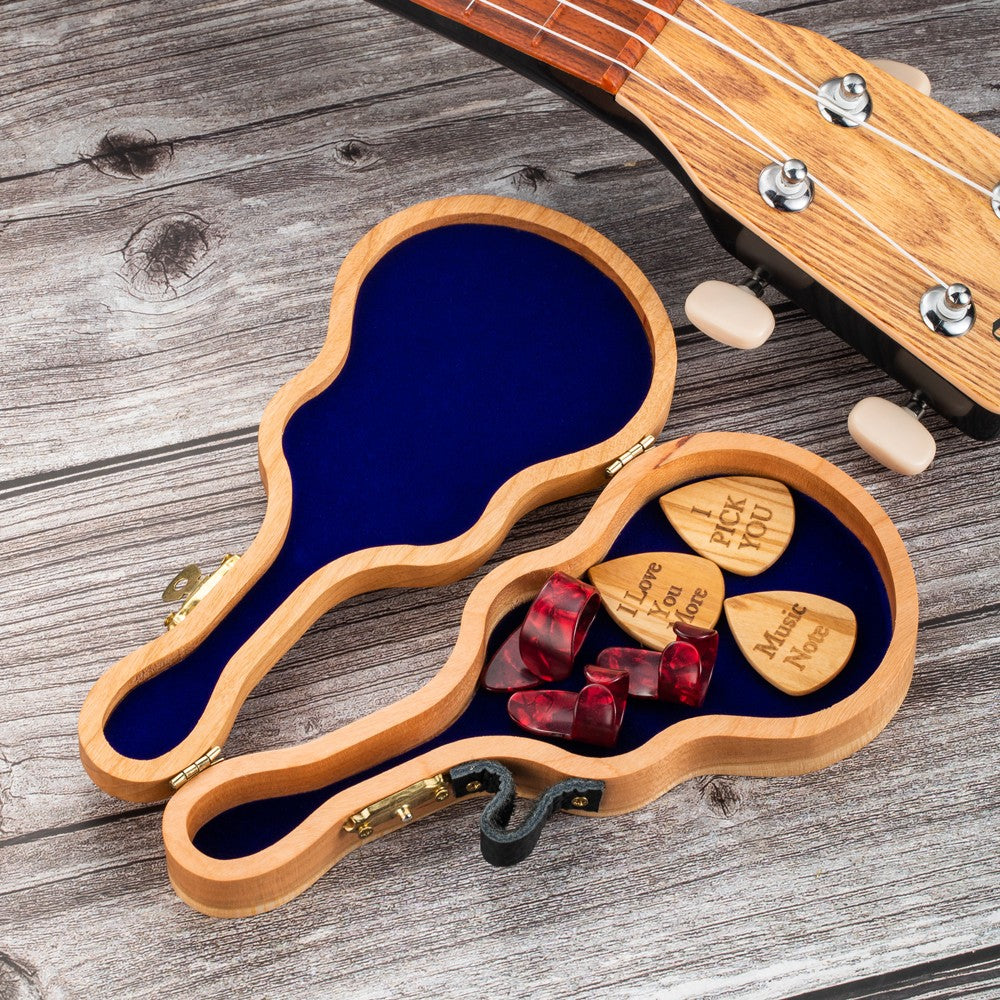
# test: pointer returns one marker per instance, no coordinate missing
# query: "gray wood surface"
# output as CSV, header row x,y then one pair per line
x,y
178,184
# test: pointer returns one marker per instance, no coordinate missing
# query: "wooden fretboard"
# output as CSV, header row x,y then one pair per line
x,y
615,48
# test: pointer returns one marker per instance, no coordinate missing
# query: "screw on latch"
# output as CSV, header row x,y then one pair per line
x,y
184,584
191,586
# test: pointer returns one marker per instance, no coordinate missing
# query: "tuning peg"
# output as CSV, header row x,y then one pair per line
x,y
732,314
910,75
893,435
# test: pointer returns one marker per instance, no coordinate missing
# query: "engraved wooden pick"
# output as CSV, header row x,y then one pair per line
x,y
646,593
743,523
798,642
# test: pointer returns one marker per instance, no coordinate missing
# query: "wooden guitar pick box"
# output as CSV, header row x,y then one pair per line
x,y
484,357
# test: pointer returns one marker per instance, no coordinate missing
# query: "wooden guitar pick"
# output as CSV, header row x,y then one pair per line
x,y
798,642
646,593
743,523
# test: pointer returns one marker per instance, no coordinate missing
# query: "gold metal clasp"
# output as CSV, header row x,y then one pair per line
x,y
398,807
191,586
644,444
203,763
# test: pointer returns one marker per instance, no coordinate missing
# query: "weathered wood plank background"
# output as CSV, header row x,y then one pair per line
x,y
178,184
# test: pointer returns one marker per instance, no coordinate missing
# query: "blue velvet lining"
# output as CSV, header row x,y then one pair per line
x,y
823,558
476,351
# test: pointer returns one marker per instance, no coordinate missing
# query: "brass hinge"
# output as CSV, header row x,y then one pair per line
x,y
191,586
398,807
203,763
644,444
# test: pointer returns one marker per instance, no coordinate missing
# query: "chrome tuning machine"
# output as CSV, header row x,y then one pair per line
x,y
786,186
845,100
950,310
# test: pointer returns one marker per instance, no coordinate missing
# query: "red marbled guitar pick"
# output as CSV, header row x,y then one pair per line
x,y
506,671
679,674
594,715
545,646
705,640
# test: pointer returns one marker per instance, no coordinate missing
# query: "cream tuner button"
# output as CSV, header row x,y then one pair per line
x,y
910,75
730,314
892,435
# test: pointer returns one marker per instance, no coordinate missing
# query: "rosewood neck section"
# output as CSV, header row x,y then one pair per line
x,y
588,50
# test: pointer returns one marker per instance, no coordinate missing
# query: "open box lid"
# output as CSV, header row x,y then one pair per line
x,y
484,356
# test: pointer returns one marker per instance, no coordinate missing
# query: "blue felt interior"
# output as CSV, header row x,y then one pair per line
x,y
822,558
477,350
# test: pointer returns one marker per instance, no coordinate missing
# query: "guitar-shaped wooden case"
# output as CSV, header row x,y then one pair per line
x,y
484,356
254,831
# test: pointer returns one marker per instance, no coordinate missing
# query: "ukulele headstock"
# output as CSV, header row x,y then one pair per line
x,y
891,209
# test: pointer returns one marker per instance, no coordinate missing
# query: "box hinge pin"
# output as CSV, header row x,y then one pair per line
x,y
191,586
398,808
644,444
205,761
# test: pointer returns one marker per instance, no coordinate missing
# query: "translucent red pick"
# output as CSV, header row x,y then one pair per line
x,y
705,640
507,671
594,715
545,646
681,673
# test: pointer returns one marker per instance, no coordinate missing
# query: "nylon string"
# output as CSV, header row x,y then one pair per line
x,y
781,157
813,93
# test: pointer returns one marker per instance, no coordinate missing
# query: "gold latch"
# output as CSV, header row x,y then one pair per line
x,y
203,763
644,444
190,586
398,807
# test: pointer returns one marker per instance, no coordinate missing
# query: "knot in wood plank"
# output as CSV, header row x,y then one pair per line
x,y
355,154
130,154
527,177
165,254
721,796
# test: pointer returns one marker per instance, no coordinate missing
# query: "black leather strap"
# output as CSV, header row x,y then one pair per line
x,y
503,847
